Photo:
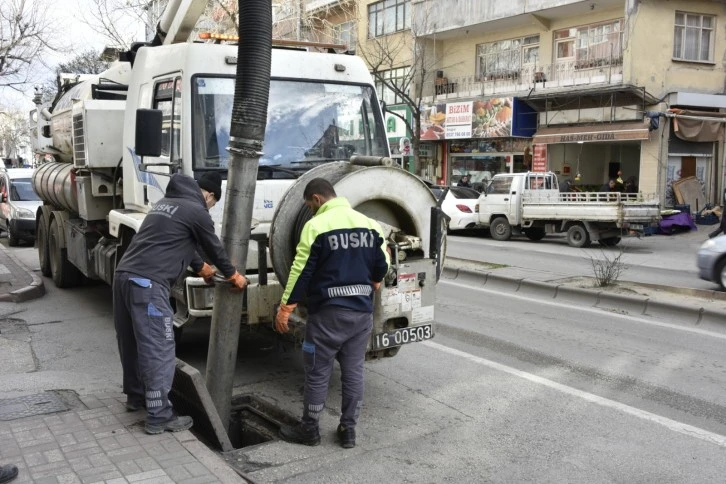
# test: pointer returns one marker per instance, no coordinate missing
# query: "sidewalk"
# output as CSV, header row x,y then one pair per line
x,y
101,442
17,282
63,436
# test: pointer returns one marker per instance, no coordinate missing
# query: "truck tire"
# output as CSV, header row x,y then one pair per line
x,y
42,238
500,229
534,233
577,236
64,273
720,274
13,239
610,241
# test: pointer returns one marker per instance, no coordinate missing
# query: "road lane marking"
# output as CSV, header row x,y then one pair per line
x,y
594,309
673,425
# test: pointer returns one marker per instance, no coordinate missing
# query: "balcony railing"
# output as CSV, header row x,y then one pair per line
x,y
563,74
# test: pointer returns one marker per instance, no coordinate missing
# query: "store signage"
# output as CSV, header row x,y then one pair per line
x,y
587,134
539,158
574,138
490,118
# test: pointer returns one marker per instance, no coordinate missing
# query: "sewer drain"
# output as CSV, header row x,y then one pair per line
x,y
31,405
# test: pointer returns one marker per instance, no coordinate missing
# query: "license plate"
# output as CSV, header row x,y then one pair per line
x,y
402,336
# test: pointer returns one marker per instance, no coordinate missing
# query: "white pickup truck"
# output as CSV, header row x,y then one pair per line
x,y
532,204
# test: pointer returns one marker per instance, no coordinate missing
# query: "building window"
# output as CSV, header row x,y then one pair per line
x,y
590,45
505,58
397,77
346,34
693,39
388,16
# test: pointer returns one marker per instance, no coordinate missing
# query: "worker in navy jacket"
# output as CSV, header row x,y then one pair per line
x,y
340,261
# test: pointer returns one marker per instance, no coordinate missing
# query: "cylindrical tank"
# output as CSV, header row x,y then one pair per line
x,y
393,196
55,183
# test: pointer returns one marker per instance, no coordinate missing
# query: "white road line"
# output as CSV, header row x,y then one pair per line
x,y
673,425
594,309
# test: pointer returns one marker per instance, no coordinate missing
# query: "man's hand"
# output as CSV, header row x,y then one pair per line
x,y
376,286
238,281
207,272
283,314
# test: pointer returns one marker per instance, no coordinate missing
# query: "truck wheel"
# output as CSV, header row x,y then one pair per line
x,y
64,273
500,229
534,233
42,238
720,274
13,239
577,236
610,241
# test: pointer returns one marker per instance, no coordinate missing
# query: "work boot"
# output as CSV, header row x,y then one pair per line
x,y
299,434
346,436
8,473
176,424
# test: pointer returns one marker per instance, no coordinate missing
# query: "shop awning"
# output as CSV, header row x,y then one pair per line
x,y
592,133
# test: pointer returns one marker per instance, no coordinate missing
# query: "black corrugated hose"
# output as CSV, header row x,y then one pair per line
x,y
249,112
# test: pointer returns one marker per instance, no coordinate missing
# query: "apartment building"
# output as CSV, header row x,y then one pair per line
x,y
575,87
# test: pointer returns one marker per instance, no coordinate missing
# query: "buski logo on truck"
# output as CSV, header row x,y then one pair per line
x,y
96,191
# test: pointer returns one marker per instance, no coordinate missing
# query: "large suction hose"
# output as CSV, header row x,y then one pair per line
x,y
393,197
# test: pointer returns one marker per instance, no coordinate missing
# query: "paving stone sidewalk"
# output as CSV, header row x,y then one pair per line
x,y
101,442
17,282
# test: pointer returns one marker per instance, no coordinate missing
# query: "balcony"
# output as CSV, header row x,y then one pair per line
x,y
313,5
547,77
447,17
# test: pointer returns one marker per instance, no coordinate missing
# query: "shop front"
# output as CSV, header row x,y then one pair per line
x,y
590,155
480,138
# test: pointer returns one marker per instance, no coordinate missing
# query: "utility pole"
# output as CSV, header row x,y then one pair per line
x,y
249,119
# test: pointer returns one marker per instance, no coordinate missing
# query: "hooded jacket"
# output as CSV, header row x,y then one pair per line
x,y
340,253
167,241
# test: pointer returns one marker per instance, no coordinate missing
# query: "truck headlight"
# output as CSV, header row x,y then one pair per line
x,y
22,213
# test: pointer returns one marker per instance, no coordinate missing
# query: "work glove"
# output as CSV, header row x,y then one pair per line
x,y
376,286
238,281
207,272
283,314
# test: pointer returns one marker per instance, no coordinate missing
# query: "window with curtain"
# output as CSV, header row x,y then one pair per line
x,y
388,16
397,77
694,37
593,43
506,57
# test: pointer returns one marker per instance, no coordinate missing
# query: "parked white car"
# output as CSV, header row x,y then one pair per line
x,y
459,204
18,204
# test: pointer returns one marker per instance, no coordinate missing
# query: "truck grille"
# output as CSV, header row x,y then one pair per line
x,y
79,143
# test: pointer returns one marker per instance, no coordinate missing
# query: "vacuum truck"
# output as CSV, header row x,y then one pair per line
x,y
324,120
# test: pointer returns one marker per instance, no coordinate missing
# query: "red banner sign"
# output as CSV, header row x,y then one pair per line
x,y
539,159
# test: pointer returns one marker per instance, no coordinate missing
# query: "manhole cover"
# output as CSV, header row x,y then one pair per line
x,y
28,406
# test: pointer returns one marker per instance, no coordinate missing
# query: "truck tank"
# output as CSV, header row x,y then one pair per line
x,y
62,113
54,182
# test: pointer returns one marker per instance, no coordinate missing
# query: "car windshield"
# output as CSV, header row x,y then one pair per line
x,y
21,190
308,123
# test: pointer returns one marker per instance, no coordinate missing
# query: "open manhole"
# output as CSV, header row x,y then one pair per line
x,y
254,421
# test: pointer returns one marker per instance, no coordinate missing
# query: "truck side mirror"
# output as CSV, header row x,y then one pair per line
x,y
148,132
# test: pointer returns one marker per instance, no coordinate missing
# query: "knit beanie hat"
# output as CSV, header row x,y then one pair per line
x,y
211,181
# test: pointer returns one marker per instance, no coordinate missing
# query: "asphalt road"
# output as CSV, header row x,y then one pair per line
x,y
664,260
510,390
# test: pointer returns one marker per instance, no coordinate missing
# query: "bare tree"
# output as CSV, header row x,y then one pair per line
x,y
315,20
26,36
414,54
113,19
14,132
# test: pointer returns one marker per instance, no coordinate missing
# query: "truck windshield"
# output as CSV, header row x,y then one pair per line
x,y
308,123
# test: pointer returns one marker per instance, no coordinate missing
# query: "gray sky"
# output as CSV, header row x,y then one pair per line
x,y
76,34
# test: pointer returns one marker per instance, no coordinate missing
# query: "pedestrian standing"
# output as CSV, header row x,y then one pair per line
x,y
340,261
8,473
159,253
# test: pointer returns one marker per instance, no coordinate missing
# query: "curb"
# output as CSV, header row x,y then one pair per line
x,y
636,305
34,290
